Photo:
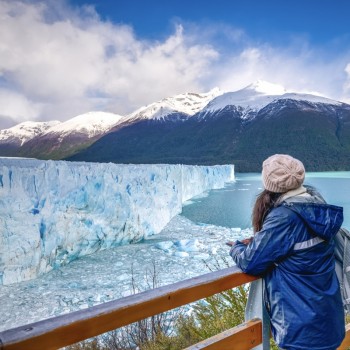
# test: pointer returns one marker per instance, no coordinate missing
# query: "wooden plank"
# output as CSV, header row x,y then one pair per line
x,y
243,337
346,342
67,329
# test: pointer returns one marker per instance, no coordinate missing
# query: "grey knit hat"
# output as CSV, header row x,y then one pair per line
x,y
281,173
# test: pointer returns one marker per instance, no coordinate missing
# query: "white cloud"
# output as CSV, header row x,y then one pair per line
x,y
83,62
346,97
143,73
301,70
17,107
58,61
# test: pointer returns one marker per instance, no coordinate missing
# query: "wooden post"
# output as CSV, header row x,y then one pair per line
x,y
345,345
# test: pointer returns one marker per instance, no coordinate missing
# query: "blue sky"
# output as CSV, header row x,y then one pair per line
x,y
61,58
320,21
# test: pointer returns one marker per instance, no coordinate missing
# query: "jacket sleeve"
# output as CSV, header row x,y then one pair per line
x,y
269,246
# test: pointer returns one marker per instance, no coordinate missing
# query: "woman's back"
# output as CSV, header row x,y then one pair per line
x,y
293,251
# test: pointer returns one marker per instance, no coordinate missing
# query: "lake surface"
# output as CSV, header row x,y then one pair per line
x,y
232,206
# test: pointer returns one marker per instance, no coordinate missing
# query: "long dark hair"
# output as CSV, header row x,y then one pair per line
x,y
263,204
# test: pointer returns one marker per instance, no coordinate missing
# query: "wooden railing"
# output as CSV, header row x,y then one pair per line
x,y
68,329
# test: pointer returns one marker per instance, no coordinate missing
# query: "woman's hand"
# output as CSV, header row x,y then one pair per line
x,y
246,241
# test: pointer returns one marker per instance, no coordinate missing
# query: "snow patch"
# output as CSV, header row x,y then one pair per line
x,y
188,103
91,124
258,95
25,131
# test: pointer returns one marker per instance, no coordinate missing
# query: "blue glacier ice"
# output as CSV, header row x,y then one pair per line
x,y
52,212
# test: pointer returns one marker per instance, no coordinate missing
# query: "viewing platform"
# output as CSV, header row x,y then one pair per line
x,y
71,328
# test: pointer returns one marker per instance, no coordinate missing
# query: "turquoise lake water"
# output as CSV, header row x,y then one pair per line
x,y
232,205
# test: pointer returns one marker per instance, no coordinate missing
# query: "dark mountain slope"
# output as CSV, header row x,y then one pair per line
x,y
189,141
316,133
55,146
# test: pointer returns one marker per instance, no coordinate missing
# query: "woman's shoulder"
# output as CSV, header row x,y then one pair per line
x,y
281,214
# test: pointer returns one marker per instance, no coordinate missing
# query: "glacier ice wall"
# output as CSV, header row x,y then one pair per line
x,y
52,212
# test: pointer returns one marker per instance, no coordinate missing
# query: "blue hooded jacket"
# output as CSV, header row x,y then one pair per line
x,y
294,253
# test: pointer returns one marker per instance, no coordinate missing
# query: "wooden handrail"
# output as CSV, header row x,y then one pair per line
x,y
68,329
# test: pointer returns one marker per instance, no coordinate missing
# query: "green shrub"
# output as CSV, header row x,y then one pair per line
x,y
208,317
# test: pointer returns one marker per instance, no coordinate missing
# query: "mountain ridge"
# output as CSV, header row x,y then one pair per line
x,y
312,128
240,127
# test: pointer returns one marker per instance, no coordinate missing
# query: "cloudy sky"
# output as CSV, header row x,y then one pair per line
x,y
61,58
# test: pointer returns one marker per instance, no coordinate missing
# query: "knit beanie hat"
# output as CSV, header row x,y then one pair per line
x,y
281,173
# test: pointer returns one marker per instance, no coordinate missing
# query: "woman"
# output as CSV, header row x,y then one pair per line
x,y
293,251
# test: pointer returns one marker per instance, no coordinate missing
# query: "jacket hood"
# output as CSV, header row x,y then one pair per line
x,y
324,220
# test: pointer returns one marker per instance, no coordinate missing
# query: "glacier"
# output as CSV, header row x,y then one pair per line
x,y
52,212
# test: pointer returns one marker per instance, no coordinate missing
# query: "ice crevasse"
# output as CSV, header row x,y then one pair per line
x,y
52,212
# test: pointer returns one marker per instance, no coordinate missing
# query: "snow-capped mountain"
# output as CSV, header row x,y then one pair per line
x,y
242,127
188,104
90,124
57,139
256,96
21,133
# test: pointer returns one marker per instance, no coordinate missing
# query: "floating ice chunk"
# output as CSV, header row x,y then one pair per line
x,y
214,250
188,245
74,285
203,224
164,245
236,229
75,300
182,254
123,277
202,256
